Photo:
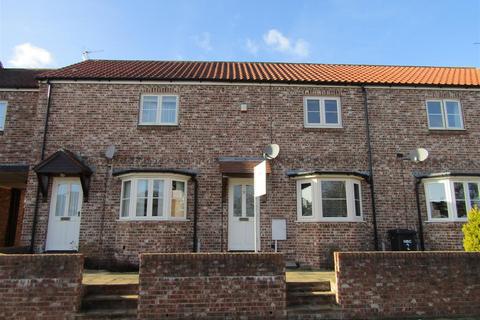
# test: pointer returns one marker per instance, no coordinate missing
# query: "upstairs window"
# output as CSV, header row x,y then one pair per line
x,y
322,112
3,114
153,198
444,114
329,199
159,110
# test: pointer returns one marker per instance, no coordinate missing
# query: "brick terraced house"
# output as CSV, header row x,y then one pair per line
x,y
18,105
188,134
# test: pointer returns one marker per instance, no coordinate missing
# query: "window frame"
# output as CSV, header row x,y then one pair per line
x,y
158,121
317,205
322,123
167,197
2,125
450,196
443,106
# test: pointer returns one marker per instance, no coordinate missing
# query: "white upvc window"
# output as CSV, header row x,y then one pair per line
x,y
3,114
322,112
158,197
159,110
444,114
450,199
329,199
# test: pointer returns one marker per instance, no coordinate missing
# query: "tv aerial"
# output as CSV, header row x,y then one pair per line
x,y
86,54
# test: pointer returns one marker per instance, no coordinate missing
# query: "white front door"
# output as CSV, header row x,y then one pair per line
x,y
241,235
64,221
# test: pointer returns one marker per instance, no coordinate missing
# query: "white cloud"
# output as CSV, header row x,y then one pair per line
x,y
301,48
203,41
251,46
277,41
27,55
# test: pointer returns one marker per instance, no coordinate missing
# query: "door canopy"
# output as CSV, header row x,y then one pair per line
x,y
63,163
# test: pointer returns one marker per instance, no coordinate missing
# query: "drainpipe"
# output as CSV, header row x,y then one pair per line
x,y
419,213
195,215
370,168
42,156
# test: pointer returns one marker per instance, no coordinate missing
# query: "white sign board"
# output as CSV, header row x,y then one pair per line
x,y
279,229
260,179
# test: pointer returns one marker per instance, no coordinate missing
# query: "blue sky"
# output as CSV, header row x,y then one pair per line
x,y
409,32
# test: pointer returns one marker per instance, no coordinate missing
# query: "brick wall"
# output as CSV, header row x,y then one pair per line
x,y
16,139
408,284
137,237
44,286
211,126
399,123
212,286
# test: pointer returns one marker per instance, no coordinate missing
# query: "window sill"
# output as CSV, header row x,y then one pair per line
x,y
329,221
324,129
321,126
159,126
448,131
153,220
447,221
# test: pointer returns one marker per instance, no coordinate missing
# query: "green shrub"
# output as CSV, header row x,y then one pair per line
x,y
471,231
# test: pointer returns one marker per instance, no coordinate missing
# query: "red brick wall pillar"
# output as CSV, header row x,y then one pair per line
x,y
47,286
212,285
408,284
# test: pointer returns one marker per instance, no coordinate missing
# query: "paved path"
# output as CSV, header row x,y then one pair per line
x,y
107,277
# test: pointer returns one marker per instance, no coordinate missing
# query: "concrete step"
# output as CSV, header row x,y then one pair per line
x,y
114,301
308,286
310,298
305,312
107,314
110,289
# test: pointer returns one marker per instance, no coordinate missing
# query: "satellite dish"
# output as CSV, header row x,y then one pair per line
x,y
418,155
110,152
271,151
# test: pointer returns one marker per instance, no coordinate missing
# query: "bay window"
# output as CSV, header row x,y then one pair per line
x,y
450,199
329,199
153,198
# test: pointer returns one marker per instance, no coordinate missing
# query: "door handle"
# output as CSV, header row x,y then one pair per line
x,y
78,213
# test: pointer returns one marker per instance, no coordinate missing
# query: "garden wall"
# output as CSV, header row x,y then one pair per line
x,y
46,286
212,285
408,284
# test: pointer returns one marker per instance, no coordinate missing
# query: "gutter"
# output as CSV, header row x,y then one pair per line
x,y
419,214
195,215
42,156
370,168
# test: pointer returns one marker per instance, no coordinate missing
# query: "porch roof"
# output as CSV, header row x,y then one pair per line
x,y
421,176
63,163
119,172
13,175
240,165
303,173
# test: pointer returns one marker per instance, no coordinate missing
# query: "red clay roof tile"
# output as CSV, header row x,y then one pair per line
x,y
19,78
266,72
